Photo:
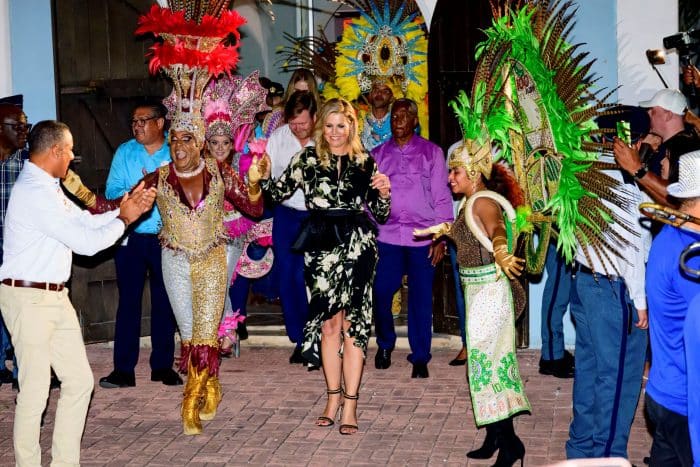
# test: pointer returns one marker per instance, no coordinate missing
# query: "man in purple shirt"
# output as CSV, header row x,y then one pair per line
x,y
420,198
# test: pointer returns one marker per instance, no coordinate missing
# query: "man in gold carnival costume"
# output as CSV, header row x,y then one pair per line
x,y
191,191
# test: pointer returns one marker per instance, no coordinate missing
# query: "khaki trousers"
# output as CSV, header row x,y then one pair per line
x,y
46,334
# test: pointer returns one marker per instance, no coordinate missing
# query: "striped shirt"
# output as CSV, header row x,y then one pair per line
x,y
9,170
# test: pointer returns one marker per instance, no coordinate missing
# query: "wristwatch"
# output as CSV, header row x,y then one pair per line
x,y
639,174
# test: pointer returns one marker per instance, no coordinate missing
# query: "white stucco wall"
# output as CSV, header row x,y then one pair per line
x,y
5,62
641,25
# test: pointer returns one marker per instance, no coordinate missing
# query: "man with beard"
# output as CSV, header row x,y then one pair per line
x,y
42,230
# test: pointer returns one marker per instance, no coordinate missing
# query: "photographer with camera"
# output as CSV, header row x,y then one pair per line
x,y
691,78
667,110
686,44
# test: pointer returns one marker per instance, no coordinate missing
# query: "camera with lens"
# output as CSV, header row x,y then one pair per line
x,y
683,42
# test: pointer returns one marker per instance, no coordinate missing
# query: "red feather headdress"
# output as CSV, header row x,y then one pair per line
x,y
194,49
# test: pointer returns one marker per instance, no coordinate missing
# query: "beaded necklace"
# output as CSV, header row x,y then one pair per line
x,y
191,173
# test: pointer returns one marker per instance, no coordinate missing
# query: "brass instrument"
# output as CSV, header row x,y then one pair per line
x,y
667,215
677,219
690,250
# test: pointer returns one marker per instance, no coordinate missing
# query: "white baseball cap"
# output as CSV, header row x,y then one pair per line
x,y
670,99
688,184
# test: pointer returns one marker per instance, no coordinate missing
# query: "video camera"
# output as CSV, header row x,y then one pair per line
x,y
682,42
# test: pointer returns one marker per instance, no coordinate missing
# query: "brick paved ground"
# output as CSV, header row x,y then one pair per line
x,y
268,412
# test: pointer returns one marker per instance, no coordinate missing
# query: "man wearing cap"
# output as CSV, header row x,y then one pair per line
x,y
669,293
666,113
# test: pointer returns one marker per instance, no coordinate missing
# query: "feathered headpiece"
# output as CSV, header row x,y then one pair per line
x,y
484,120
382,45
385,44
547,88
229,102
194,49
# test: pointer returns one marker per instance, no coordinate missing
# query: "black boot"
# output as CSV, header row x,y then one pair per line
x,y
490,445
510,448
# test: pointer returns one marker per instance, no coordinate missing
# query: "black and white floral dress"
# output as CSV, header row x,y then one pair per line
x,y
341,277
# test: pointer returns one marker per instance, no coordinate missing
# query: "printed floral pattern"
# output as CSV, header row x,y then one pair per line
x,y
479,370
341,278
508,374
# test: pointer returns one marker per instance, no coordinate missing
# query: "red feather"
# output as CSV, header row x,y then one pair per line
x,y
220,60
164,21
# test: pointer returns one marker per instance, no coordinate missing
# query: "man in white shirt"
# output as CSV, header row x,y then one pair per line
x,y
610,312
42,230
283,144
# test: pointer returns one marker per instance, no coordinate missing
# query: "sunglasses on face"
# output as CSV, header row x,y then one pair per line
x,y
18,126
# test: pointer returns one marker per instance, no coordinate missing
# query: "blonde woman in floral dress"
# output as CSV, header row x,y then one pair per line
x,y
340,181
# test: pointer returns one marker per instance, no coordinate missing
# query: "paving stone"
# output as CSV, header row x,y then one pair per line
x,y
269,408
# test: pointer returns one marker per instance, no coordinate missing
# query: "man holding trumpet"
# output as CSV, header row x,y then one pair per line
x,y
669,293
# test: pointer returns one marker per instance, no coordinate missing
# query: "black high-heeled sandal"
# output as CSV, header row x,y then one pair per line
x,y
346,428
324,421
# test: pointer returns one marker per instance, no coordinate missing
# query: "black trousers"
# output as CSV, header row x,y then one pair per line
x,y
141,254
671,446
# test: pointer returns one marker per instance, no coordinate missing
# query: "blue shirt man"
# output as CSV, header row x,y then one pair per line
x,y
670,292
139,253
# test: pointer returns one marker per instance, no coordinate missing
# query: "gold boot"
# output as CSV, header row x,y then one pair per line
x,y
191,403
212,399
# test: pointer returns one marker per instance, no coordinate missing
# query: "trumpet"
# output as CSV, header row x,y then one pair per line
x,y
690,250
667,215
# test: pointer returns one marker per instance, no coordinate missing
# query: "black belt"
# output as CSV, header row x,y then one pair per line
x,y
33,285
578,267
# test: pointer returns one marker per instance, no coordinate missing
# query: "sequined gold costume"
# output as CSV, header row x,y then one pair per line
x,y
194,256
194,271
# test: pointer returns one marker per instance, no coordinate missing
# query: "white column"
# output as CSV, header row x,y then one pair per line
x,y
642,25
5,62
427,7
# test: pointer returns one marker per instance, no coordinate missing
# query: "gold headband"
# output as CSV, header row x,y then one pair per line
x,y
474,157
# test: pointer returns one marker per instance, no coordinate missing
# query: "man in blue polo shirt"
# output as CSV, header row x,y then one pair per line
x,y
669,294
138,253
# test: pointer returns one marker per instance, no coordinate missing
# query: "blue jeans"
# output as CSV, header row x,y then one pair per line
x,y
459,294
609,363
290,268
555,300
141,254
395,261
